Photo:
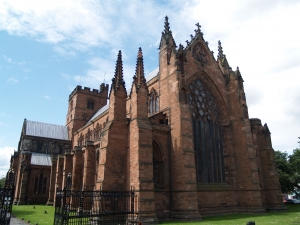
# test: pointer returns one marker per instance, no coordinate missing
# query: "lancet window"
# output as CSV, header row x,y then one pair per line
x,y
207,132
40,184
97,132
158,167
89,135
153,102
80,140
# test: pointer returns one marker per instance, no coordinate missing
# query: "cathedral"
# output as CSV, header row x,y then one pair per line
x,y
181,137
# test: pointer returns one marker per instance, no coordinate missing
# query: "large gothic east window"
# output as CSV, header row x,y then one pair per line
x,y
207,132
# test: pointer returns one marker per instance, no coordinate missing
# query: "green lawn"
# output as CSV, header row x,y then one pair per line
x,y
35,215
291,216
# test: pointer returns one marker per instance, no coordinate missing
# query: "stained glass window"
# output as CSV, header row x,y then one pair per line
x,y
207,132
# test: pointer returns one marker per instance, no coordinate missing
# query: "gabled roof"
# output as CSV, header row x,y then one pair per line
x,y
41,159
46,130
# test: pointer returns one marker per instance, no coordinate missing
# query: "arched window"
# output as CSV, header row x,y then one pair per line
x,y
207,132
36,182
158,167
40,184
84,117
80,140
153,102
89,135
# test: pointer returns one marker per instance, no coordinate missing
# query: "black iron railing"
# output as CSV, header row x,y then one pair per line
x,y
94,207
6,198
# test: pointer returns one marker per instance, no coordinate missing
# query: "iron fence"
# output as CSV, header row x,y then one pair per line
x,y
94,207
6,198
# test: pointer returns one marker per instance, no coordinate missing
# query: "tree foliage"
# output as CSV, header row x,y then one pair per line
x,y
288,167
2,182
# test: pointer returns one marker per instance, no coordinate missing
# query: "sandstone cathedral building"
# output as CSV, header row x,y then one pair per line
x,y
181,137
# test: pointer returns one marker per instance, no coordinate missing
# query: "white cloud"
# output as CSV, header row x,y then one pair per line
x,y
261,37
7,58
12,79
5,154
102,70
46,97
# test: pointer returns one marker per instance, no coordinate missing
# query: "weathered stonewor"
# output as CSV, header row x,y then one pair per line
x,y
89,166
52,181
140,156
181,138
77,172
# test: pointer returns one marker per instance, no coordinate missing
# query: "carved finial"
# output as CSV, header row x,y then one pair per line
x,y
180,48
192,37
220,50
187,42
237,68
167,27
118,78
198,26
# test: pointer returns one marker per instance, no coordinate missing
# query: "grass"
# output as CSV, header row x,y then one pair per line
x,y
35,215
291,216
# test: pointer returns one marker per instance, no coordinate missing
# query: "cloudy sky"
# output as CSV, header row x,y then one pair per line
x,y
48,47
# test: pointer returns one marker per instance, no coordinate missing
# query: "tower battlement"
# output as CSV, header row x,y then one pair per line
x,y
103,88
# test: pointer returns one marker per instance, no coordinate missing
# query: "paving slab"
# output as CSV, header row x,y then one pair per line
x,y
15,221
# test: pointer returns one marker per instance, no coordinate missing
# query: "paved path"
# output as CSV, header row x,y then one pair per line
x,y
15,221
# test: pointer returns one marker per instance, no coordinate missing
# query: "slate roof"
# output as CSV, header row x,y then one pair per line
x,y
41,159
99,112
46,130
148,77
152,74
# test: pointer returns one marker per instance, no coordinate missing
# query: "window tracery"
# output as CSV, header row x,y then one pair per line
x,y
207,132
153,102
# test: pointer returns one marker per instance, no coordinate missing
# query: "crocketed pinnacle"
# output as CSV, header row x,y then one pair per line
x,y
167,27
220,50
117,81
139,77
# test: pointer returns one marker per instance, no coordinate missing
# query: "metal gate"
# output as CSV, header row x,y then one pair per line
x,y
94,207
6,198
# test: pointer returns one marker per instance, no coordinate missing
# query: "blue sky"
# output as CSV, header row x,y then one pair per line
x,y
48,47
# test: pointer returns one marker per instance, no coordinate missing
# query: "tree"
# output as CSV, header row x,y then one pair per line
x,y
288,167
2,182
294,161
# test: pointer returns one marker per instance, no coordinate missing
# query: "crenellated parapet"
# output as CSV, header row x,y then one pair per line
x,y
87,90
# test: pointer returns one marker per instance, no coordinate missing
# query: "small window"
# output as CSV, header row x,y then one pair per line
x,y
90,104
84,117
